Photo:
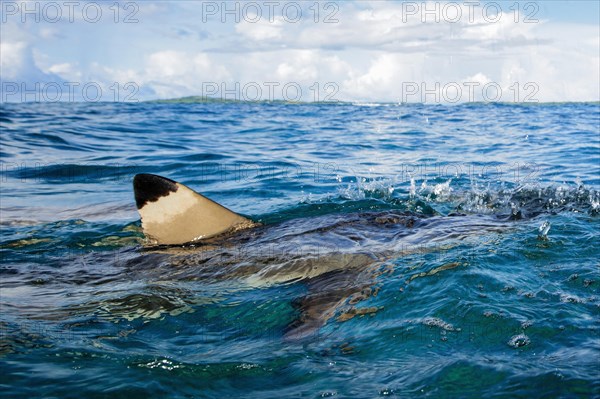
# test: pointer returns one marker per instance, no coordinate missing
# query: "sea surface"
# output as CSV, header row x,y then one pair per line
x,y
405,251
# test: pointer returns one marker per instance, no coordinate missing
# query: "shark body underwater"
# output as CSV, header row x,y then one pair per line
x,y
339,258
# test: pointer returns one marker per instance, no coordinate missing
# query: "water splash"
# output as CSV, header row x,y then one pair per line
x,y
519,341
543,230
517,202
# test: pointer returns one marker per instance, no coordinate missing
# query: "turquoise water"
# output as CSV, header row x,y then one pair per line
x,y
402,251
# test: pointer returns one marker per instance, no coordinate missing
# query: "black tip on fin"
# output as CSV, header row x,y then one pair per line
x,y
149,188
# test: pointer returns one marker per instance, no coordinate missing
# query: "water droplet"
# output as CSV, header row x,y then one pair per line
x,y
543,230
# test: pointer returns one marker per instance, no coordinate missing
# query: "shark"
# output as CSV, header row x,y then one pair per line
x,y
339,258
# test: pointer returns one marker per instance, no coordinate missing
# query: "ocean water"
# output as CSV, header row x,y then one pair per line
x,y
405,251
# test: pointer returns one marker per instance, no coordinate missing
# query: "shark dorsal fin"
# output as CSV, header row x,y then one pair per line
x,y
174,214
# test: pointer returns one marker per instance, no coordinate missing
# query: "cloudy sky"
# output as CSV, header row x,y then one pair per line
x,y
362,51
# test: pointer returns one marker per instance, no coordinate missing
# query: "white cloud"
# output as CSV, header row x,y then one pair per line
x,y
303,66
12,58
260,30
370,53
63,69
384,78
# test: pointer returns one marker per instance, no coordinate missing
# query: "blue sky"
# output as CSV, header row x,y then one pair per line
x,y
353,50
